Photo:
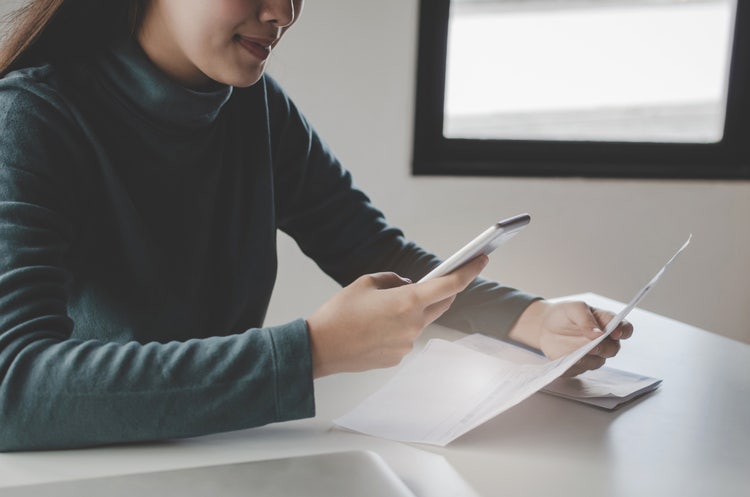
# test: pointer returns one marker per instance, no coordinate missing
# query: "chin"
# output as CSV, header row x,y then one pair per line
x,y
240,79
247,82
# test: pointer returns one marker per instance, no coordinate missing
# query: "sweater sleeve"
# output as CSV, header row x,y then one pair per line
x,y
57,391
337,226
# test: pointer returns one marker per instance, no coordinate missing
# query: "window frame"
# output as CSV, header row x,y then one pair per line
x,y
434,154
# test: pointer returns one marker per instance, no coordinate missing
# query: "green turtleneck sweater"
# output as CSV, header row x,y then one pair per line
x,y
138,226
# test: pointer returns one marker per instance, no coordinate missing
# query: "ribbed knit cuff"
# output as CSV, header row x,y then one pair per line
x,y
295,394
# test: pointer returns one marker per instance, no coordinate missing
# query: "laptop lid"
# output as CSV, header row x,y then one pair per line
x,y
350,474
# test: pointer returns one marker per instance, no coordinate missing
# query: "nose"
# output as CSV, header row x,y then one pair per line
x,y
280,13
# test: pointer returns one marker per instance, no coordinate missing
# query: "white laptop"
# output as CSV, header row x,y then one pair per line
x,y
345,474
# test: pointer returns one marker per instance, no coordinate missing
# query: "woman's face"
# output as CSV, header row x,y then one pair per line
x,y
228,41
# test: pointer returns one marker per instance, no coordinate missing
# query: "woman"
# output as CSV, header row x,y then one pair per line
x,y
146,163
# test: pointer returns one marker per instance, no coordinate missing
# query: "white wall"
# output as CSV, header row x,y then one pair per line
x,y
350,65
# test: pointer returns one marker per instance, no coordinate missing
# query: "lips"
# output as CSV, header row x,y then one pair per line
x,y
260,48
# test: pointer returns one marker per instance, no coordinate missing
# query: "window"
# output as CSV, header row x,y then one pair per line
x,y
600,88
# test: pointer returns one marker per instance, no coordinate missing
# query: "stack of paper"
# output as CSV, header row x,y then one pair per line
x,y
451,388
607,388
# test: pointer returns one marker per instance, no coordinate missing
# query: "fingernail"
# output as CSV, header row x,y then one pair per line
x,y
597,330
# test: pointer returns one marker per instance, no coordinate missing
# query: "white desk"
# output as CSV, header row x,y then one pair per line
x,y
691,437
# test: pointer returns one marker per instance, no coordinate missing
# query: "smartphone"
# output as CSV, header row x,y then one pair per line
x,y
485,243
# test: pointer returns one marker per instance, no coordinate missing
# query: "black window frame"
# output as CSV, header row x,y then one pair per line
x,y
434,154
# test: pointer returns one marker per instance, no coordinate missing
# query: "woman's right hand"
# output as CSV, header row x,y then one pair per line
x,y
373,322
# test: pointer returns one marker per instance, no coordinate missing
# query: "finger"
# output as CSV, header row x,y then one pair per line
x,y
585,320
623,331
606,349
434,311
386,280
435,290
587,363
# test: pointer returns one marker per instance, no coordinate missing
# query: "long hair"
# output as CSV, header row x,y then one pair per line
x,y
57,31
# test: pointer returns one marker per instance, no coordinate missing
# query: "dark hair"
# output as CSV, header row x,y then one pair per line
x,y
57,31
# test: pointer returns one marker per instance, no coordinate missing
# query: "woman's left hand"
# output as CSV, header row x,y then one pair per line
x,y
560,328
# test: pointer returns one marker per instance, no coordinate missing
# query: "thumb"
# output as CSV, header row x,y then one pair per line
x,y
386,280
590,326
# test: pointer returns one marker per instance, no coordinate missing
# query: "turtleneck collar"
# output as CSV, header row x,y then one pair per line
x,y
129,73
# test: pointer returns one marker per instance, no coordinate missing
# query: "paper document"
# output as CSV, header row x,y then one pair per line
x,y
450,388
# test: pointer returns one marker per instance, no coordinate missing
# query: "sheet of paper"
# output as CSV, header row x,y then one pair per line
x,y
449,389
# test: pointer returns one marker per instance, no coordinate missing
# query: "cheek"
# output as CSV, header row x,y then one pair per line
x,y
231,12
214,18
205,29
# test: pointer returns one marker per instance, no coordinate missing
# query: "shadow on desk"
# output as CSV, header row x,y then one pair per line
x,y
544,422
